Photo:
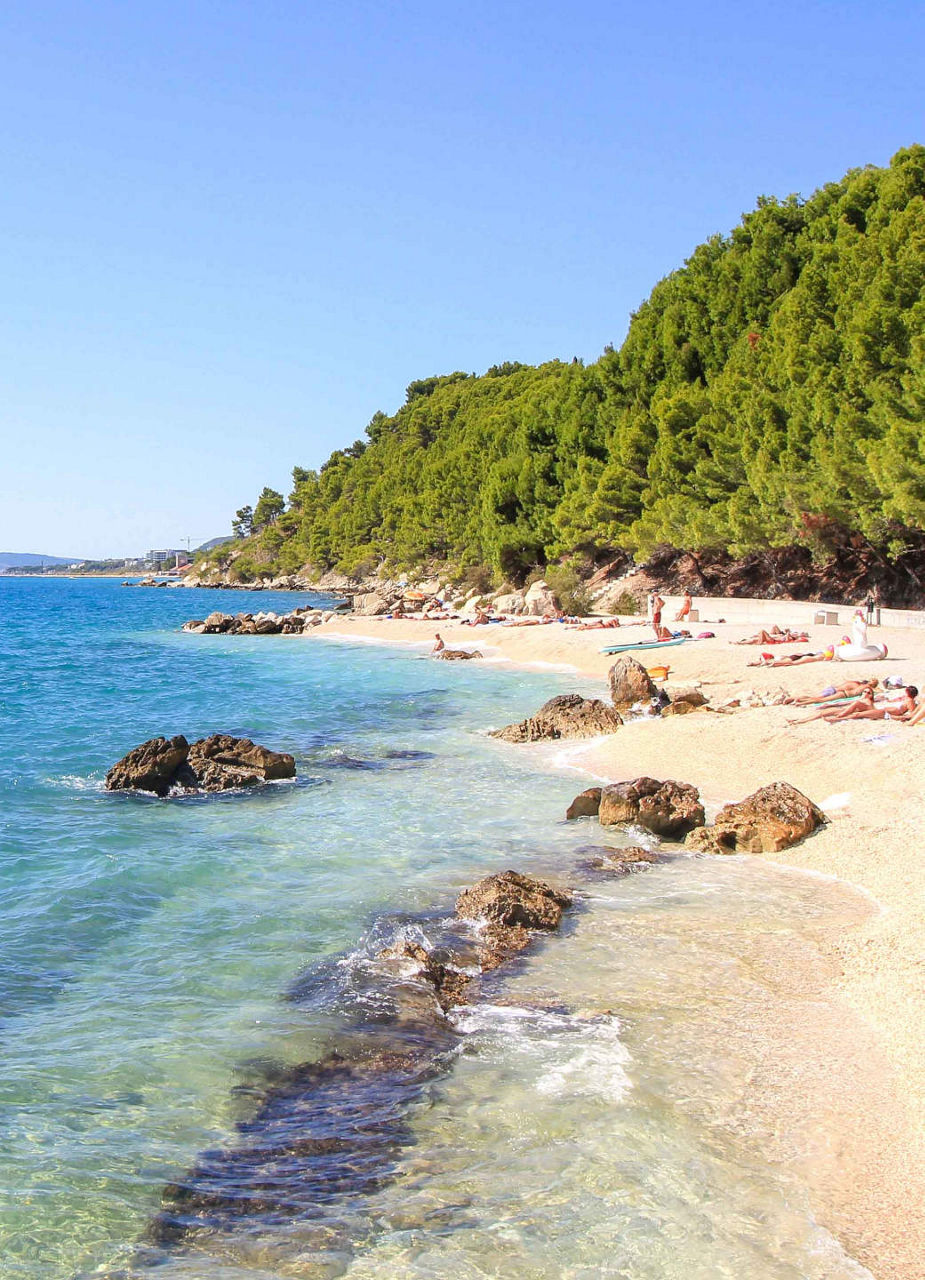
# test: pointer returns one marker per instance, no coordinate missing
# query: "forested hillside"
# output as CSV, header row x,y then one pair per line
x,y
770,392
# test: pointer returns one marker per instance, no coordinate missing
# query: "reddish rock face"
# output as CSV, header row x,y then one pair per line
x,y
771,819
668,809
568,715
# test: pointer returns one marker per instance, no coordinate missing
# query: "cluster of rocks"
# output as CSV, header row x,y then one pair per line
x,y
772,818
173,766
511,908
258,624
570,715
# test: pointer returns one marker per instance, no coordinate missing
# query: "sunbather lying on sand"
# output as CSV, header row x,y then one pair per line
x,y
776,636
833,693
599,624
863,708
795,659
918,715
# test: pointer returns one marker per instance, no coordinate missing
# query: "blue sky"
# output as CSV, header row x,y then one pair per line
x,y
230,232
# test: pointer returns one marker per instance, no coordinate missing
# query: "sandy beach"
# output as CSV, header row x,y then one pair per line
x,y
841,1092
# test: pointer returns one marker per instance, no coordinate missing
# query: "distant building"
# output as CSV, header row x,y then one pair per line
x,y
168,558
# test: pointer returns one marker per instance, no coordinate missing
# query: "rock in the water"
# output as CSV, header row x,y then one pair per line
x,y
450,984
630,682
221,762
622,861
771,819
512,899
668,809
585,805
153,766
457,655
217,763
568,715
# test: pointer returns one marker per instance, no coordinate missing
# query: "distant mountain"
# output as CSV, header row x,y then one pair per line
x,y
27,559
215,542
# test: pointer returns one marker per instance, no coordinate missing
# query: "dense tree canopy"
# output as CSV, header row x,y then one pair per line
x,y
771,388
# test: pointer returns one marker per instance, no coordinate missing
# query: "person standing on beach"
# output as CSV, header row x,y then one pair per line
x,y
685,609
658,605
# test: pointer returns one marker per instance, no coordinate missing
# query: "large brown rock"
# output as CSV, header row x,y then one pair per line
x,y
669,809
221,762
771,819
457,655
515,900
630,682
568,715
153,766
217,763
585,805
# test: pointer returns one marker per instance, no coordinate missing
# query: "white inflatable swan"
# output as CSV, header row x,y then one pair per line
x,y
858,649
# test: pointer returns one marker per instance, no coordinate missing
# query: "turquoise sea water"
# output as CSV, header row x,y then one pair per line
x,y
161,962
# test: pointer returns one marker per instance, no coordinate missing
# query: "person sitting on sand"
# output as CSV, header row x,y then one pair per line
x,y
439,644
918,715
863,708
685,609
795,659
832,693
776,636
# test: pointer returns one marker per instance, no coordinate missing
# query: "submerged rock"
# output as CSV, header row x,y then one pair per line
x,y
216,763
568,715
622,861
669,809
772,818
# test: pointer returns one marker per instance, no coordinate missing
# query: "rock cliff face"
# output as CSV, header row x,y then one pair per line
x,y
217,763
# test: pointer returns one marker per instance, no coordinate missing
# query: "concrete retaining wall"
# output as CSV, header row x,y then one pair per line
x,y
792,613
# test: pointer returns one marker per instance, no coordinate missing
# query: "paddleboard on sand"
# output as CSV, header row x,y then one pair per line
x,y
643,644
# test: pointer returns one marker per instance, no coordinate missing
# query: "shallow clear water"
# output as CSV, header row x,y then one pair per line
x,y
159,961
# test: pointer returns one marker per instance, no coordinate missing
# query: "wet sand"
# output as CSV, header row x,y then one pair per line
x,y
839,1090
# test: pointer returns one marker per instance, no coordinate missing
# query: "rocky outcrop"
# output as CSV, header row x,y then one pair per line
x,y
630,682
514,906
568,715
153,766
668,809
216,763
771,819
258,624
457,655
585,805
509,898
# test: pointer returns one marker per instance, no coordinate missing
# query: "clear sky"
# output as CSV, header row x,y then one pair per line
x,y
230,232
